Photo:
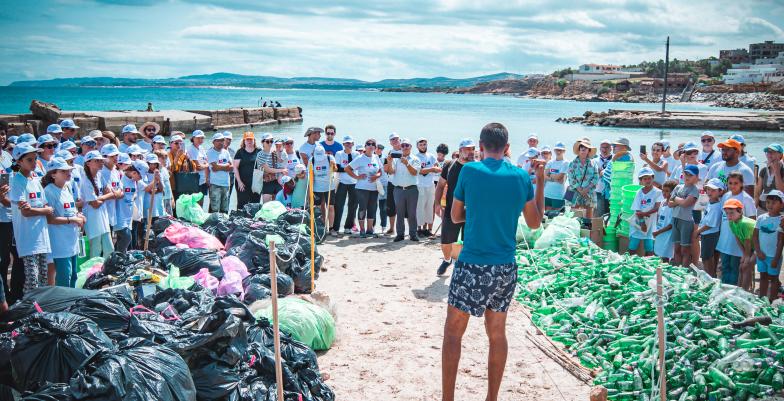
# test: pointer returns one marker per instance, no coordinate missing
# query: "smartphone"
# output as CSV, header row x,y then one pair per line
x,y
4,179
396,155
643,150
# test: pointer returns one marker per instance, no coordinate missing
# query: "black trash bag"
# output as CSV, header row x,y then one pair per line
x,y
50,347
162,223
50,299
160,242
247,211
217,381
237,238
285,283
97,281
138,370
218,225
189,304
6,348
191,260
110,315
7,393
301,276
50,392
256,292
254,252
153,327
218,336
295,217
264,366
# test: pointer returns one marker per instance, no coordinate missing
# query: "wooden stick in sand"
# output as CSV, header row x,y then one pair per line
x,y
312,230
275,323
149,213
660,321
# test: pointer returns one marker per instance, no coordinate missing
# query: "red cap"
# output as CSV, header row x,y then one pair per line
x,y
733,204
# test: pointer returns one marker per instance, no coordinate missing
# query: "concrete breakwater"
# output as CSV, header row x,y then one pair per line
x,y
710,120
42,114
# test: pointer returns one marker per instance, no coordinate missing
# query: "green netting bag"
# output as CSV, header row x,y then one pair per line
x,y
305,322
560,228
84,268
524,233
173,280
270,211
188,208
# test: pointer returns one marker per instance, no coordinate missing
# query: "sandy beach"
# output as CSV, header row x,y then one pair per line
x,y
391,309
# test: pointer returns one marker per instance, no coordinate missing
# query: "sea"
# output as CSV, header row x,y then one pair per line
x,y
364,114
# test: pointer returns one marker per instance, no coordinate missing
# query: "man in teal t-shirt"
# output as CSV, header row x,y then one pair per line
x,y
489,197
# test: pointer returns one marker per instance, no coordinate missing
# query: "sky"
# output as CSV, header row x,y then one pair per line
x,y
369,40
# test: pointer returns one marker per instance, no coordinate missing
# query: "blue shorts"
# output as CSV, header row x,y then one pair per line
x,y
766,266
475,288
634,243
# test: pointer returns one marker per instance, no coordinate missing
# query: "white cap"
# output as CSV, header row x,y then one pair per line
x,y
159,139
93,155
545,149
228,135
151,158
348,139
405,141
645,171
284,179
559,146
690,146
708,134
534,136
532,152
130,128
265,136
776,193
218,136
299,168
197,134
393,136
467,143
421,139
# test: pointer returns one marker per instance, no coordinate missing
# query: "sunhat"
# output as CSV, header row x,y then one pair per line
x,y
313,130
23,149
58,164
150,124
623,142
582,142
151,158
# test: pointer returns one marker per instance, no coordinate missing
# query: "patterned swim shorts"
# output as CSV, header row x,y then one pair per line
x,y
475,288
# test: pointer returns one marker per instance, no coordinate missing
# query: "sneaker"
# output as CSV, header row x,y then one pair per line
x,y
363,235
333,233
444,265
398,239
414,239
355,229
390,232
346,231
371,234
383,230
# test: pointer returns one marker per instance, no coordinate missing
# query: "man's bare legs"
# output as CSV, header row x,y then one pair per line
x,y
495,326
455,326
446,250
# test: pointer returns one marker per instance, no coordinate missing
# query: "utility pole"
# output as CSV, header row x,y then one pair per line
x,y
666,72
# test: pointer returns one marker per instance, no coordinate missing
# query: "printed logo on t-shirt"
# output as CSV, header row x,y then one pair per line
x,y
115,184
68,205
319,168
553,171
34,195
646,202
129,190
223,161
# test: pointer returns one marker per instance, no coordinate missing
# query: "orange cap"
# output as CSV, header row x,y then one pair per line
x,y
248,135
731,143
733,204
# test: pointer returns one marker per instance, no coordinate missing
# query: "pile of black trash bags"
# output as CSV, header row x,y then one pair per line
x,y
130,342
181,345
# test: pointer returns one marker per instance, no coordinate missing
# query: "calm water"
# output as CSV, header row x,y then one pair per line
x,y
364,114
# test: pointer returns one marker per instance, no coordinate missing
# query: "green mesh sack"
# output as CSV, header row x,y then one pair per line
x,y
81,274
188,208
305,322
270,211
174,280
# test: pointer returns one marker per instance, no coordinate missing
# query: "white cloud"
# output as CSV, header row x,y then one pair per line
x,y
69,28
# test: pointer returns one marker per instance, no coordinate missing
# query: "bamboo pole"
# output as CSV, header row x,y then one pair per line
x,y
275,323
312,230
149,213
660,318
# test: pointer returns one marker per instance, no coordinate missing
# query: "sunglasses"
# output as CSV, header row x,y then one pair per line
x,y
330,133
290,143
405,145
707,140
149,130
48,146
267,141
370,144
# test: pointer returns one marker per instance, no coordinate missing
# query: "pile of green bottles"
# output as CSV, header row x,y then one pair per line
x,y
722,343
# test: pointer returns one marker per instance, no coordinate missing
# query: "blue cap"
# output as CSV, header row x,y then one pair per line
x,y
110,150
123,158
68,123
218,136
158,139
23,149
67,145
64,154
559,146
692,169
266,136
645,171
54,129
130,128
545,148
348,139
716,183
135,150
12,139
58,164
141,167
46,138
773,147
284,179
467,143
27,138
197,134
690,146
88,140
151,158
93,155
532,152
228,135
739,138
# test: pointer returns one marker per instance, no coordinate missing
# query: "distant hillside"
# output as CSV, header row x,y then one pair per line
x,y
253,81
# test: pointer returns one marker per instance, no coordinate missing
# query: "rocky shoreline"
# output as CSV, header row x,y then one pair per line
x,y
740,120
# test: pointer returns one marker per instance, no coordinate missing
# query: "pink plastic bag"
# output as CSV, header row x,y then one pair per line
x,y
206,280
194,237
231,284
233,263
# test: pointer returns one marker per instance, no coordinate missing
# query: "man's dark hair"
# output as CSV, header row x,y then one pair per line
x,y
443,149
3,125
330,127
494,137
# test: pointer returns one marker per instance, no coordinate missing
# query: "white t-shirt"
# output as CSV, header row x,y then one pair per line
x,y
662,245
426,160
5,168
712,218
97,219
749,161
166,180
157,207
77,175
552,189
64,238
321,173
721,171
306,150
125,206
292,161
368,166
112,180
31,233
715,157
222,157
341,158
727,242
198,155
644,202
403,177
660,176
768,227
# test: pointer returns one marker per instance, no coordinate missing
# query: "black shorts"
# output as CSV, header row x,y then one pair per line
x,y
708,243
450,232
391,209
475,288
271,188
204,189
320,198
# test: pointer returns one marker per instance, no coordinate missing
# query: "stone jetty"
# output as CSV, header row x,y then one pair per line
x,y
709,120
42,114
